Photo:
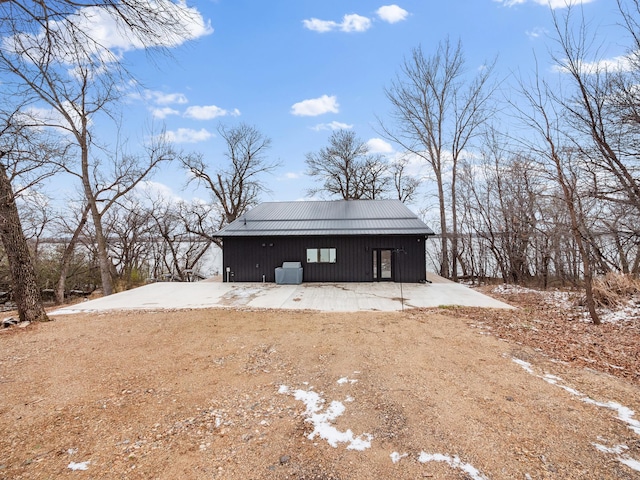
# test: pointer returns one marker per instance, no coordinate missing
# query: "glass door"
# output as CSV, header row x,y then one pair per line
x,y
382,264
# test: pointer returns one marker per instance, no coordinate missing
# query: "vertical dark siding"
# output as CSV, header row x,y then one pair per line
x,y
252,259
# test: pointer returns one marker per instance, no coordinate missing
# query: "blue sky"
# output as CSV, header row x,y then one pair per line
x,y
295,69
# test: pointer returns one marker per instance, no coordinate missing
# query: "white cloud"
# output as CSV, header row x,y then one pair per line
x,y
45,116
536,33
187,135
332,126
616,64
157,191
561,3
378,145
547,3
355,23
163,112
208,112
350,23
162,98
50,117
321,26
414,164
316,106
292,176
116,35
111,36
392,13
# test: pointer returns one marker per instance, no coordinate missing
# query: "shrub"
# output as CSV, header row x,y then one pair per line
x,y
615,289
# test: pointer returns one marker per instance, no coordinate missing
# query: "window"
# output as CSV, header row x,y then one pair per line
x,y
321,255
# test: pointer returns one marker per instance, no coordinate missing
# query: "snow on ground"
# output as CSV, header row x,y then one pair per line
x,y
454,462
523,364
559,298
242,295
79,466
567,301
396,457
343,380
624,414
321,422
625,312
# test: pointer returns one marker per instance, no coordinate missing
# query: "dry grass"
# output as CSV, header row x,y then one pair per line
x,y
562,330
615,289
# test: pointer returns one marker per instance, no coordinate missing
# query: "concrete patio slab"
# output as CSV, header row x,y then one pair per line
x,y
334,297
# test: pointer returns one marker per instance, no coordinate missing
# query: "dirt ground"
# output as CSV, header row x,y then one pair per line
x,y
219,394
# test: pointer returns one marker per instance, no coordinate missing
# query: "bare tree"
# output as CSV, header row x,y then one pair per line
x,y
69,248
557,159
25,157
405,185
438,110
604,108
63,27
375,179
626,82
501,192
54,57
129,227
236,185
176,248
36,216
346,169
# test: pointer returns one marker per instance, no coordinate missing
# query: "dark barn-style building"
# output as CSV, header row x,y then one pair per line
x,y
335,241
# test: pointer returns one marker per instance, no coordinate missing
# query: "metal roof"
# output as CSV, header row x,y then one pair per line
x,y
341,217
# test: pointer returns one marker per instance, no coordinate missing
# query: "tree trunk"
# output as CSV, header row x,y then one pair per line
x,y
103,257
26,292
569,193
454,227
66,257
444,266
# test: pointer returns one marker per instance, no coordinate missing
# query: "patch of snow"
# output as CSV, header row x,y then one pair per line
x,y
321,421
506,288
618,449
245,292
396,457
623,314
343,380
523,364
625,414
566,301
630,462
553,380
310,399
79,466
454,462
283,389
360,443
